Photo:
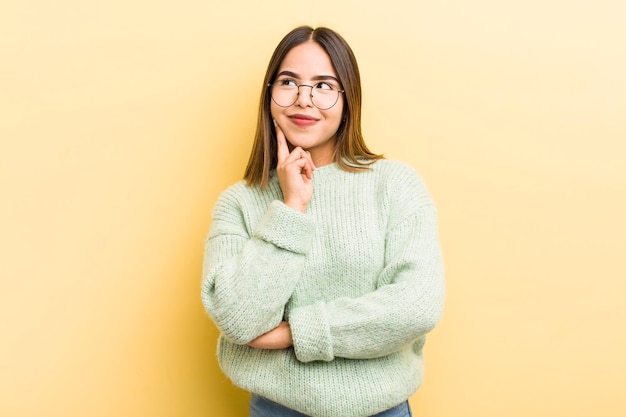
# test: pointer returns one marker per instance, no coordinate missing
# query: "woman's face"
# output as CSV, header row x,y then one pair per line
x,y
303,123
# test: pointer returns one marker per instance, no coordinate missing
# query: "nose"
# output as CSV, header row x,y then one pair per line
x,y
305,100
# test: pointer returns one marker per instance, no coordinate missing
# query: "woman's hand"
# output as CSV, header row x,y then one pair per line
x,y
277,338
295,173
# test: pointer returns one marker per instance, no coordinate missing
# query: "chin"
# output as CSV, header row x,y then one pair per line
x,y
299,140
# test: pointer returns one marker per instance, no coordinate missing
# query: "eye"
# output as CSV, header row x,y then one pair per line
x,y
286,82
324,86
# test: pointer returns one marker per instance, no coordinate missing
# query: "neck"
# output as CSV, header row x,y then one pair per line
x,y
322,156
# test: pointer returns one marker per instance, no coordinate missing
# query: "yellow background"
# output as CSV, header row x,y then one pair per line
x,y
121,121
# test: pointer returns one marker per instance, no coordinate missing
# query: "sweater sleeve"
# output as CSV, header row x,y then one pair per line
x,y
407,304
249,276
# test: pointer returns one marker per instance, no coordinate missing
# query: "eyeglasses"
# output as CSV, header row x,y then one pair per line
x,y
285,92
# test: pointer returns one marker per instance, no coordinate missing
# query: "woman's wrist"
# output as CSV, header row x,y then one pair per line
x,y
277,338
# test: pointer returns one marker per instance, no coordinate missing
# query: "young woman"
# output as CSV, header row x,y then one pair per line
x,y
322,269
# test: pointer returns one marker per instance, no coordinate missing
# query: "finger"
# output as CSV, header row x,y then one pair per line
x,y
310,165
310,159
303,164
299,153
281,141
304,159
307,172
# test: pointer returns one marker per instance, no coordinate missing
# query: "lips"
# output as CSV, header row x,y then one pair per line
x,y
303,119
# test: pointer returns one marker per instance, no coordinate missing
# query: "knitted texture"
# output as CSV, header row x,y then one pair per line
x,y
359,278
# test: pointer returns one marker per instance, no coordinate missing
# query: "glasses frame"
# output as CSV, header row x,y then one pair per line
x,y
270,85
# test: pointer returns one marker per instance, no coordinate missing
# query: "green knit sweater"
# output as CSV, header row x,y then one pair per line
x,y
359,278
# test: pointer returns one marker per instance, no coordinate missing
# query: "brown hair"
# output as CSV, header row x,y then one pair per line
x,y
351,152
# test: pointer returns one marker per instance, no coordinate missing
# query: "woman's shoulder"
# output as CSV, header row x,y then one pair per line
x,y
241,193
395,170
402,182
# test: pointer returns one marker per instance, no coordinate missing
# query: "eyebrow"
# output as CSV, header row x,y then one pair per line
x,y
316,78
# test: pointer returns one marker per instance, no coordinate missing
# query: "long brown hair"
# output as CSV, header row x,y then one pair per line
x,y
351,152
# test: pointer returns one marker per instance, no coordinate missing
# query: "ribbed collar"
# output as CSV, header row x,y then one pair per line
x,y
327,172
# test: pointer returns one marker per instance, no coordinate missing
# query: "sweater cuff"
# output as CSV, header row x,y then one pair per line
x,y
310,332
286,228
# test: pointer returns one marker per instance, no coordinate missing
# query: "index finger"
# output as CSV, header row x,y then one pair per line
x,y
281,141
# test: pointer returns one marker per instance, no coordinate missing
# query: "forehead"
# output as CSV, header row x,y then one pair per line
x,y
307,60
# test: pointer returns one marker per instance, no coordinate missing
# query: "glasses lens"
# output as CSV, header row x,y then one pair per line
x,y
284,93
324,96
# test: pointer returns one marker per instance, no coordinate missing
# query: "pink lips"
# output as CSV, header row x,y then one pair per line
x,y
303,120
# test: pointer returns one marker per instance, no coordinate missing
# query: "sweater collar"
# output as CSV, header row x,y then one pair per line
x,y
326,172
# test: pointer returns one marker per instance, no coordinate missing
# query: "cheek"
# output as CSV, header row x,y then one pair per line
x,y
335,116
